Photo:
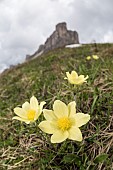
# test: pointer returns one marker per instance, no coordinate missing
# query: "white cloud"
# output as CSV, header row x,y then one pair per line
x,y
108,37
24,25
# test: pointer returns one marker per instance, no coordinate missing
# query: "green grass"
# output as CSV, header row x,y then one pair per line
x,y
25,146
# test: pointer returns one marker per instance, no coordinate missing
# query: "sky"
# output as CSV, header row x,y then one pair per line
x,y
25,24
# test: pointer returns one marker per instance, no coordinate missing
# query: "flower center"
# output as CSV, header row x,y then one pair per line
x,y
31,114
64,123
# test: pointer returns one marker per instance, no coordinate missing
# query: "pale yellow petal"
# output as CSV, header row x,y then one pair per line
x,y
74,75
34,103
36,116
80,80
59,136
39,110
47,127
20,112
86,77
69,77
26,106
71,81
81,119
41,106
81,77
49,114
75,134
60,109
21,119
72,108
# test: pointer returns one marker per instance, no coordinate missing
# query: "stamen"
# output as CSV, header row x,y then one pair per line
x,y
64,123
31,114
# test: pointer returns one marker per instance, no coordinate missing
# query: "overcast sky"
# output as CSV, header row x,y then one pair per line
x,y
25,24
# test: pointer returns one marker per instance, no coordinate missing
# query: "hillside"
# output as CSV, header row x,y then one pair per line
x,y
24,146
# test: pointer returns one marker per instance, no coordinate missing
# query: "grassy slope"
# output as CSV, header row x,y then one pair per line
x,y
23,146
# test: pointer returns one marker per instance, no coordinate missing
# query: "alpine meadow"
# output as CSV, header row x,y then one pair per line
x,y
29,142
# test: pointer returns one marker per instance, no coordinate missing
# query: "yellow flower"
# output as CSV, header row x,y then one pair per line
x,y
63,122
29,111
95,57
88,57
73,78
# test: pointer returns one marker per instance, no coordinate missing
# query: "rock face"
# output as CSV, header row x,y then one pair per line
x,y
59,38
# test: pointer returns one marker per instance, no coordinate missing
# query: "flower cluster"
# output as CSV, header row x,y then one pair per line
x,y
95,57
62,122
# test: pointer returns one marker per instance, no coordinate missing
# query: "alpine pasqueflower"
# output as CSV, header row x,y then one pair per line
x,y
95,57
63,122
88,57
73,78
29,111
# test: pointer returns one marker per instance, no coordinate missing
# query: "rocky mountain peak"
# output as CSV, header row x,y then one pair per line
x,y
59,38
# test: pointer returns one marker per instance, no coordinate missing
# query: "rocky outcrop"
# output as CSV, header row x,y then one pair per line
x,y
59,38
